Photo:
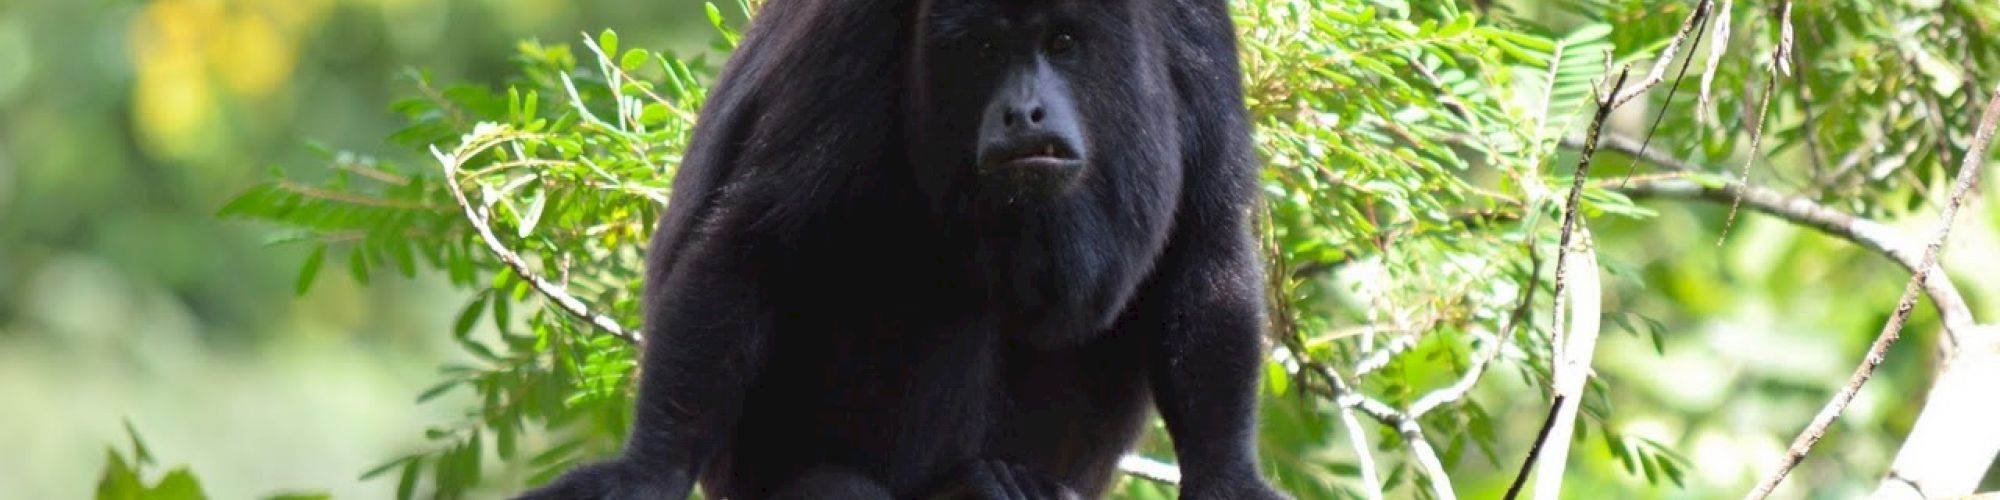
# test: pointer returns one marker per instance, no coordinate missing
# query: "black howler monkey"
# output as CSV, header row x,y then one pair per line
x,y
924,248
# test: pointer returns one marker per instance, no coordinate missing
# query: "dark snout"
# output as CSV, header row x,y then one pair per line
x,y
1031,136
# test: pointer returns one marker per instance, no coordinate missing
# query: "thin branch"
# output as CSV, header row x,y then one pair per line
x,y
1721,42
1659,71
1371,482
1428,459
1756,143
476,215
1968,171
1337,390
1349,399
1457,390
367,169
1149,469
1381,356
1807,129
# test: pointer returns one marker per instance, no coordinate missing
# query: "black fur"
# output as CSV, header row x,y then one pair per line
x,y
848,297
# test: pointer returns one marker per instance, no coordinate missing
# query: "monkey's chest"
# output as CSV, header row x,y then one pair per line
x,y
901,399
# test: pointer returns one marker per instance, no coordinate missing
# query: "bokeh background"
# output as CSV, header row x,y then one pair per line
x,y
125,125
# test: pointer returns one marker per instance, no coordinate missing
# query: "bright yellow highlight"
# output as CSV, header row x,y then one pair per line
x,y
187,53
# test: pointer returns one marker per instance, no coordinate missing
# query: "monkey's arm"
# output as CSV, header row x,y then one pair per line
x,y
707,331
1207,297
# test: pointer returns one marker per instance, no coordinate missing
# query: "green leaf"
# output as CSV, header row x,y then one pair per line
x,y
437,390
179,484
407,486
357,265
300,496
385,467
1276,378
714,14
632,60
608,41
311,269
469,317
503,309
119,481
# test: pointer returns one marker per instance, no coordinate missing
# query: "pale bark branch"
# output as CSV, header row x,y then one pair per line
x,y
1427,459
1565,366
1953,311
1577,336
1149,469
1954,439
1458,389
1371,482
1968,171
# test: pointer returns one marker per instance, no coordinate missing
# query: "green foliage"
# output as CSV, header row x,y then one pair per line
x,y
568,167
123,478
1414,154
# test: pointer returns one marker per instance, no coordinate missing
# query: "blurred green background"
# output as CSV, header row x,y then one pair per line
x,y
124,126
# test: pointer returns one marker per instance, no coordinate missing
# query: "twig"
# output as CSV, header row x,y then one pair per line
x,y
1700,21
1968,170
1814,156
1756,143
1351,400
1371,482
1428,459
1458,389
1149,469
1604,107
1381,356
476,215
1659,71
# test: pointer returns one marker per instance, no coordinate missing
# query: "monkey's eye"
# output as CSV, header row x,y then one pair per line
x,y
1061,43
986,50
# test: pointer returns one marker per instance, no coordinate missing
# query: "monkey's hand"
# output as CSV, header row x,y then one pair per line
x,y
987,479
1238,489
613,480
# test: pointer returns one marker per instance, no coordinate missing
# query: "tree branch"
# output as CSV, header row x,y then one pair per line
x,y
1954,440
1565,365
476,215
1150,470
1458,389
1428,459
1371,482
1968,170
1659,71
1953,311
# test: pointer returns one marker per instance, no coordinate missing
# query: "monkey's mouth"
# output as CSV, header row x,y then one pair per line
x,y
1044,156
